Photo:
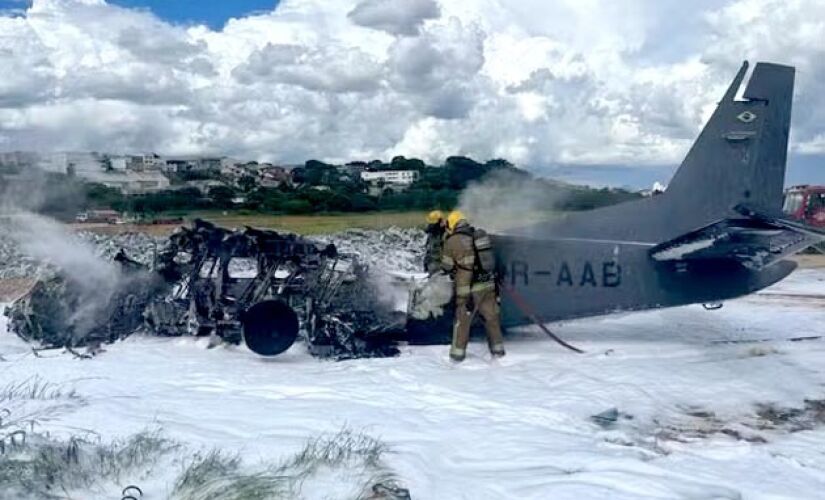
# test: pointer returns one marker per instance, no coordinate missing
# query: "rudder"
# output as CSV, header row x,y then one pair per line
x,y
740,156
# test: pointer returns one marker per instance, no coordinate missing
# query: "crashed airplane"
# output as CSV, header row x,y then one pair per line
x,y
260,287
715,234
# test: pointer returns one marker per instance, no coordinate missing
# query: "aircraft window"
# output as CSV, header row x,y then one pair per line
x,y
209,269
243,267
793,202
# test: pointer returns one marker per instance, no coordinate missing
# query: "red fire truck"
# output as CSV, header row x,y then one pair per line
x,y
806,204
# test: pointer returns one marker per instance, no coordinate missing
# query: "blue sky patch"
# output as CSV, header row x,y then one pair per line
x,y
213,13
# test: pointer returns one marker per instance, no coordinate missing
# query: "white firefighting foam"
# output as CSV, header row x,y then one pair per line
x,y
515,428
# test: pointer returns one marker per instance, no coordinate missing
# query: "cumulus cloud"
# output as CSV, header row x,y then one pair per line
x,y
539,83
28,74
439,71
329,68
398,17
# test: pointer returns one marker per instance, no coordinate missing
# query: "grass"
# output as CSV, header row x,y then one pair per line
x,y
315,224
37,465
490,218
349,460
35,388
323,223
218,476
300,224
32,402
49,468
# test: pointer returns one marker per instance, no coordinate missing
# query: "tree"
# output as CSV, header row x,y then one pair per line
x,y
101,196
401,163
363,203
500,163
462,170
222,196
299,175
316,164
297,207
247,183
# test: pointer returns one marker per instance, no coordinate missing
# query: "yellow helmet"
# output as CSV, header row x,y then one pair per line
x,y
435,216
453,219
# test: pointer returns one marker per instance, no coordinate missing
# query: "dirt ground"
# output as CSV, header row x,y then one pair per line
x,y
14,288
810,261
103,228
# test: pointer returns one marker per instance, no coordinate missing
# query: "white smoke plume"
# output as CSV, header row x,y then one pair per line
x,y
55,244
92,279
505,200
95,279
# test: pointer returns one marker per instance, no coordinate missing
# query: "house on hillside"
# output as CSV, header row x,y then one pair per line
x,y
149,161
233,172
129,182
119,163
352,169
273,176
182,164
397,178
18,159
394,180
76,163
204,185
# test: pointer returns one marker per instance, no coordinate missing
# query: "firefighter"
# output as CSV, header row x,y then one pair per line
x,y
468,257
436,231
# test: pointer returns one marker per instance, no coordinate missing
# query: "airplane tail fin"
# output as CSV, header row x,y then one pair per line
x,y
739,158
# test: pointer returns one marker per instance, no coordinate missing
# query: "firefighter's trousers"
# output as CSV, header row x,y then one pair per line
x,y
484,302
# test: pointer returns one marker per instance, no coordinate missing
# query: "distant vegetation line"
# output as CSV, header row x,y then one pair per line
x,y
315,188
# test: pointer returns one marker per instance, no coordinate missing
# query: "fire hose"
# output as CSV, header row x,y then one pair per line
x,y
525,309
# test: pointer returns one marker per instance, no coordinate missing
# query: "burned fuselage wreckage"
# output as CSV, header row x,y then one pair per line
x,y
257,287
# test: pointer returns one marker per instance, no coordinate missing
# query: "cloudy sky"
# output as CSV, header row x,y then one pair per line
x,y
555,86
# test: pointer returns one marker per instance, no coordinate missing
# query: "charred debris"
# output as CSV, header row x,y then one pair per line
x,y
263,288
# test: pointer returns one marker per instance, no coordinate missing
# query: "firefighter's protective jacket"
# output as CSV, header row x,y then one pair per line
x,y
459,259
434,249
472,284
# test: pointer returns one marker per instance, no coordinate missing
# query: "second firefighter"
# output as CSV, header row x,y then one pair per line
x,y
468,256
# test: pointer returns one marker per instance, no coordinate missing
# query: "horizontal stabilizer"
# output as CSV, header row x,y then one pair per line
x,y
756,242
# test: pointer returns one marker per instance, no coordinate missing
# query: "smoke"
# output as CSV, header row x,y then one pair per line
x,y
29,189
390,291
93,281
506,199
27,193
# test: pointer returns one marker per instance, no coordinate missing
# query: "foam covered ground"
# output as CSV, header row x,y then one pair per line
x,y
686,388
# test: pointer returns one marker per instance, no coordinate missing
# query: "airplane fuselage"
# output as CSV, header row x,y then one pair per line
x,y
569,278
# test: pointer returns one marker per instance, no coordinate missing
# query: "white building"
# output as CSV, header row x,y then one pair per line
x,y
396,177
119,163
204,185
151,162
130,182
191,163
80,163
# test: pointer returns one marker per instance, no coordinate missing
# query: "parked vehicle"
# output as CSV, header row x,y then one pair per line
x,y
807,204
